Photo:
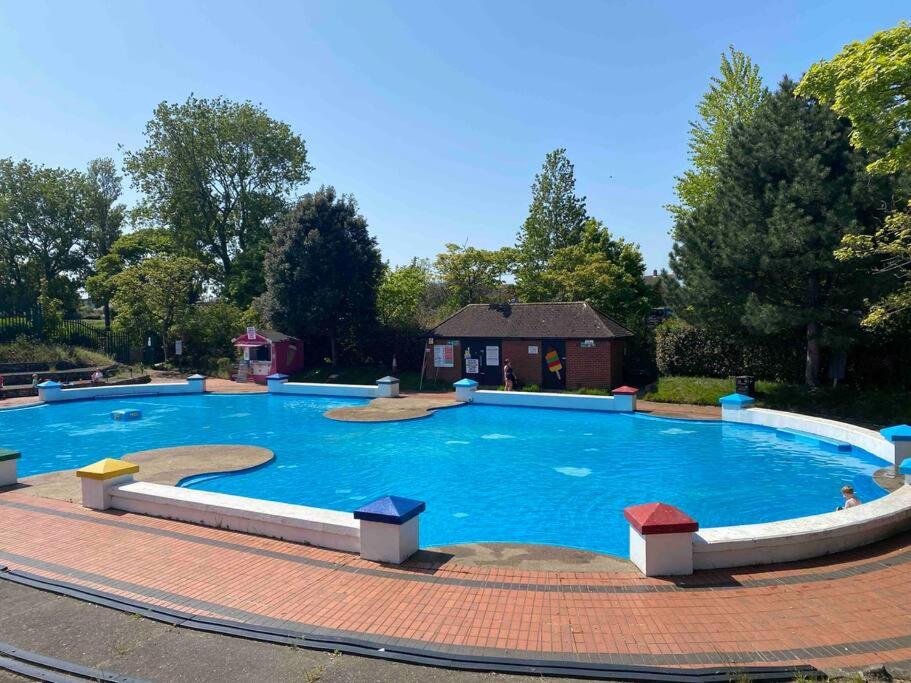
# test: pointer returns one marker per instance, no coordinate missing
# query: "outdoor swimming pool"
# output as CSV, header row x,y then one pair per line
x,y
487,473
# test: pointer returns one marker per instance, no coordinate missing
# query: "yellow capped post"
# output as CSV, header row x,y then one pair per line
x,y
98,479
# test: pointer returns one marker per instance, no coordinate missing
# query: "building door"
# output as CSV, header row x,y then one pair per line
x,y
553,364
482,362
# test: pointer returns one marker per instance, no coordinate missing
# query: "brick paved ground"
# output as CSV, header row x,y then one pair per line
x,y
845,612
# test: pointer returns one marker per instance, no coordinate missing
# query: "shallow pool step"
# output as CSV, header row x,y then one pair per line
x,y
821,441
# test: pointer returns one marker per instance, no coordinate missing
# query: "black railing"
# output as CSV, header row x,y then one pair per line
x,y
121,346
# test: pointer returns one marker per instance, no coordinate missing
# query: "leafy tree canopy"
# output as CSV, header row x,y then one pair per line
x,y
126,251
732,97
555,218
43,231
605,272
322,271
218,173
401,294
471,275
157,294
759,256
870,84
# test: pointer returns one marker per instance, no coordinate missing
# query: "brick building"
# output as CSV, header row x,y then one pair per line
x,y
554,345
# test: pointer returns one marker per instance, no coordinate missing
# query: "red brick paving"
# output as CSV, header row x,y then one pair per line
x,y
842,609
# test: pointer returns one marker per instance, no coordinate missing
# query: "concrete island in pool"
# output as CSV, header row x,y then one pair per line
x,y
663,540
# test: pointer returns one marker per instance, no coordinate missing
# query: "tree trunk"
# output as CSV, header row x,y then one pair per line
x,y
333,350
107,316
164,344
811,371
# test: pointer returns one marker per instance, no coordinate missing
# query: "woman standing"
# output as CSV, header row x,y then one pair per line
x,y
509,377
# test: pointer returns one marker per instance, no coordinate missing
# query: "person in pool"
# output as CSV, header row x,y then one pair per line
x,y
850,499
509,376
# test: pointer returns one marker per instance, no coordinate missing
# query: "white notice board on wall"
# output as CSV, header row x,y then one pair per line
x,y
443,356
472,366
493,355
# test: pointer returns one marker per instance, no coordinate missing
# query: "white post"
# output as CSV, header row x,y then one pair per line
x,y
99,478
733,405
8,467
274,382
387,387
625,398
661,539
50,391
197,384
389,529
465,389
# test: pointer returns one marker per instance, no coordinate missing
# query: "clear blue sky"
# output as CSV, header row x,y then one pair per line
x,y
435,115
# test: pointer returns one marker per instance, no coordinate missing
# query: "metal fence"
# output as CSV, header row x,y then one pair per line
x,y
123,347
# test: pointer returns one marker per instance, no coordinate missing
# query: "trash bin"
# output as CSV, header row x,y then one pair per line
x,y
745,384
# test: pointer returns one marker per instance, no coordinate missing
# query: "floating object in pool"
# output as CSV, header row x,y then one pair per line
x,y
126,415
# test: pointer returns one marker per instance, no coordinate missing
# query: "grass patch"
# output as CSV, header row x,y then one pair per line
x,y
409,380
867,407
56,356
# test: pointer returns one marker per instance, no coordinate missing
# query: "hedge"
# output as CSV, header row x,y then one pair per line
x,y
682,349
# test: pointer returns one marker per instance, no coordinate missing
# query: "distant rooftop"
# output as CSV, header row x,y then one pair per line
x,y
570,320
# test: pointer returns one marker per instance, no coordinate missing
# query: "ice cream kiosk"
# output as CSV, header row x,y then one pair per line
x,y
265,352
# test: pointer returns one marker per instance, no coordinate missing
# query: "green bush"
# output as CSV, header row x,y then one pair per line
x,y
25,350
682,349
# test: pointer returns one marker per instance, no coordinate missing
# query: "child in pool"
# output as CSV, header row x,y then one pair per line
x,y
850,499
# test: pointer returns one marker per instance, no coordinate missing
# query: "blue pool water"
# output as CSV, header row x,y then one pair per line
x,y
487,473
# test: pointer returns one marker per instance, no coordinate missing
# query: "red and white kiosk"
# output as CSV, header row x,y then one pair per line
x,y
266,352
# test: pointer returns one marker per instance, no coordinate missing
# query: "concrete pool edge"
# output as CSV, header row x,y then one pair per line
x,y
799,538
793,539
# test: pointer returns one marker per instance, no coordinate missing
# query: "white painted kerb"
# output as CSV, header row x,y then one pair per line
x,y
55,394
803,537
614,404
866,439
318,389
298,523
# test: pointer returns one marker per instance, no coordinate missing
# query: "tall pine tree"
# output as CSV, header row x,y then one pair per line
x,y
758,258
555,220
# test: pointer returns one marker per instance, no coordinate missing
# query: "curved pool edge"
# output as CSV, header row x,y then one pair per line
x,y
812,536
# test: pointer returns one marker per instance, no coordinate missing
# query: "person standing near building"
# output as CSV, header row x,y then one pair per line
x,y
509,376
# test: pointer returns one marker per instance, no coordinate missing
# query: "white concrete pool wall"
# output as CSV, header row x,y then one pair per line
x,y
623,400
385,387
385,530
801,538
54,392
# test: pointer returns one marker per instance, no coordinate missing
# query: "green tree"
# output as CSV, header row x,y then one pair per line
x,y
732,98
157,294
605,272
471,275
555,218
759,256
322,271
126,251
870,84
218,174
401,294
104,215
208,332
42,232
